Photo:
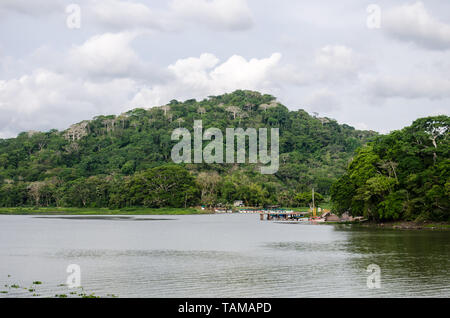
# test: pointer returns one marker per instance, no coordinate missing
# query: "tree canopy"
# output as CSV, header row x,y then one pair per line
x,y
115,160
403,175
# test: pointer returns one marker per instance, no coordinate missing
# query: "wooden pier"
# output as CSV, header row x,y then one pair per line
x,y
283,215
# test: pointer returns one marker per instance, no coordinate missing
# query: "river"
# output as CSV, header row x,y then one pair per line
x,y
218,256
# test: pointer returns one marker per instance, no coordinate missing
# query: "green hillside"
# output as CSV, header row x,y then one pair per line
x,y
401,176
113,161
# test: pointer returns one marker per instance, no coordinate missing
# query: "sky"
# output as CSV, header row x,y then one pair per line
x,y
375,65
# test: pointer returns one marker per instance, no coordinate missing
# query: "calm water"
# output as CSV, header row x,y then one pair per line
x,y
218,256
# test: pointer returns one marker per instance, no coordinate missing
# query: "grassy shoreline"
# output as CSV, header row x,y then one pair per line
x,y
396,225
99,211
106,211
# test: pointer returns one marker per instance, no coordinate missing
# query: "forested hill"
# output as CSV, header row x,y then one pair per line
x,y
48,168
401,176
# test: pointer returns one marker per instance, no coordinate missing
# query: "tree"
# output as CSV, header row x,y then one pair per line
x,y
234,110
208,183
201,110
305,199
180,121
96,160
241,116
78,193
35,190
164,186
400,176
342,192
166,109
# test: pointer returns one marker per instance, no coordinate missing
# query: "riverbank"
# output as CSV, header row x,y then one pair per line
x,y
398,225
409,225
106,211
99,211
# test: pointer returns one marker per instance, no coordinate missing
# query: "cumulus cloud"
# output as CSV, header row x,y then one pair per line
x,y
203,76
111,55
337,61
413,23
60,99
106,54
109,64
238,72
45,99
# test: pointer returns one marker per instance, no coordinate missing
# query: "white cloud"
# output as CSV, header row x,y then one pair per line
x,y
219,14
45,99
108,54
111,55
413,23
194,69
238,72
358,66
203,76
337,61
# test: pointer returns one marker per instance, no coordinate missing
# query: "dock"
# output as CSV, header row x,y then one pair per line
x,y
326,217
284,215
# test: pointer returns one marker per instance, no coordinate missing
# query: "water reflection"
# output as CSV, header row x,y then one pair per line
x,y
219,256
413,263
